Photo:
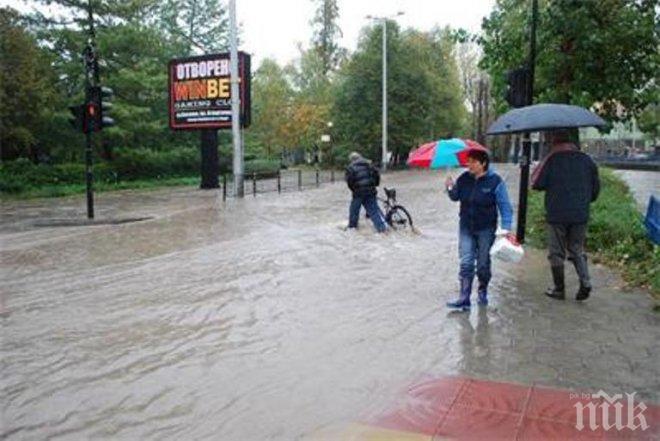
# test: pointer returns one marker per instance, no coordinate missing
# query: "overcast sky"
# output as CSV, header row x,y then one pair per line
x,y
273,28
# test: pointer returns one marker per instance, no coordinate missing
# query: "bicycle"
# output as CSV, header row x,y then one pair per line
x,y
396,215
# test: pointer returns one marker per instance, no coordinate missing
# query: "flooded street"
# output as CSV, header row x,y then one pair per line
x,y
262,318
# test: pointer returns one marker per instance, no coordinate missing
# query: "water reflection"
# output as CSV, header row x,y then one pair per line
x,y
473,340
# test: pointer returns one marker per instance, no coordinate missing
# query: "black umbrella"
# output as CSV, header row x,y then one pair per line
x,y
540,117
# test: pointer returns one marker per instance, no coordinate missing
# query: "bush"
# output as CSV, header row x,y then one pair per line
x,y
131,164
262,167
22,176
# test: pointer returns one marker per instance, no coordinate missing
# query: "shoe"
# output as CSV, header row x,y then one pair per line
x,y
463,301
482,298
583,293
482,294
460,305
557,292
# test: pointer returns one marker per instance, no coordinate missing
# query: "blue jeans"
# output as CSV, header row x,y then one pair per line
x,y
373,210
475,246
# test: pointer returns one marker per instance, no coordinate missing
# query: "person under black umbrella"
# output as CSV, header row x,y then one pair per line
x,y
570,180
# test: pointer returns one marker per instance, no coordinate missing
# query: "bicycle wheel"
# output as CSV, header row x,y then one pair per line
x,y
398,218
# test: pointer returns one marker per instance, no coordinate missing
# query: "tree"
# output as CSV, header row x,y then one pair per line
x,y
589,53
314,96
476,85
326,33
201,26
424,97
649,122
272,98
27,93
135,40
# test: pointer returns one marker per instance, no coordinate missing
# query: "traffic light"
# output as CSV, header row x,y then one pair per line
x,y
98,107
518,87
78,118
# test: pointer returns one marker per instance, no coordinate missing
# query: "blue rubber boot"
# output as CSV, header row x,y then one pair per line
x,y
463,301
482,294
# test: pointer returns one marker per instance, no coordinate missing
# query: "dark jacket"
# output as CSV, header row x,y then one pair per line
x,y
362,177
480,199
570,181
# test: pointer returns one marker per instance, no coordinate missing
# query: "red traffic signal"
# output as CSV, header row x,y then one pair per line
x,y
97,107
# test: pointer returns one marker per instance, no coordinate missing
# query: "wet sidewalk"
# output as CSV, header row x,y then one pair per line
x,y
262,319
642,184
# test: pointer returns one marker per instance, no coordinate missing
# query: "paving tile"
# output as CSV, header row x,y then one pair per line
x,y
489,395
465,423
533,429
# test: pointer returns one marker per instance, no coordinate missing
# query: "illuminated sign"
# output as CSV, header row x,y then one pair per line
x,y
200,92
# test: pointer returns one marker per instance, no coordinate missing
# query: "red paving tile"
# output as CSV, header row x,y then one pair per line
x,y
463,408
502,397
424,405
466,423
537,430
558,405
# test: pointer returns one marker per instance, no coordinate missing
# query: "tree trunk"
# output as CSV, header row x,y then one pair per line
x,y
480,107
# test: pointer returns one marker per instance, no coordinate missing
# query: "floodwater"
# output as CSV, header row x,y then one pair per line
x,y
262,318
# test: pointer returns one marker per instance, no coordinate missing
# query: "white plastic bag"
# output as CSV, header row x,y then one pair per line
x,y
507,249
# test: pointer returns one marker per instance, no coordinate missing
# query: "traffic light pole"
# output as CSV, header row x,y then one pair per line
x,y
91,116
91,77
525,159
89,176
93,108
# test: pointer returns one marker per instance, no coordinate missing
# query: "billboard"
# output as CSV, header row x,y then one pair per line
x,y
200,92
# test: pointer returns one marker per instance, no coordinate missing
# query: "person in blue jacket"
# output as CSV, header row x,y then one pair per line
x,y
481,193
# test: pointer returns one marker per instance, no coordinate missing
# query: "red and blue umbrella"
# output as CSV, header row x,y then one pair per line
x,y
443,153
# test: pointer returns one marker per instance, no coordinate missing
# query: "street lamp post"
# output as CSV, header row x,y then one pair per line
x,y
238,164
383,20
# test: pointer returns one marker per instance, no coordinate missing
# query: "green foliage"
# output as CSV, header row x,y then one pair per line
x,y
291,106
17,176
616,233
602,53
133,164
197,25
262,167
100,186
649,121
27,89
22,176
272,98
135,40
326,33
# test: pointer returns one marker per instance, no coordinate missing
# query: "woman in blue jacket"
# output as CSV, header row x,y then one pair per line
x,y
482,193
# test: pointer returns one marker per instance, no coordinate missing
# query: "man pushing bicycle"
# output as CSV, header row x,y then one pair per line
x,y
362,179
